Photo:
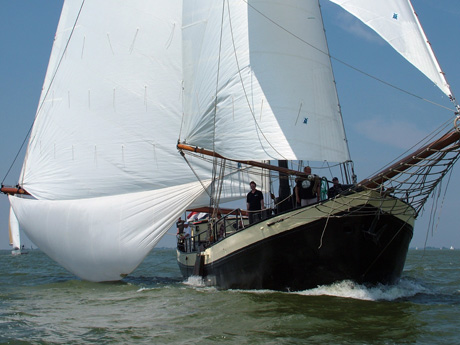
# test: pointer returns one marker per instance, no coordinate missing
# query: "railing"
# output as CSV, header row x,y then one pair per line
x,y
215,231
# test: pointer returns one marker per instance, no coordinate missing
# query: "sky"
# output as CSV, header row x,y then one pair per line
x,y
380,122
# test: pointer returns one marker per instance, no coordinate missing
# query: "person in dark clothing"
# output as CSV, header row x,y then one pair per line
x,y
180,224
307,191
254,203
336,188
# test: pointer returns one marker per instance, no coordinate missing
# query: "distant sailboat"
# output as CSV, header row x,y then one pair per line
x,y
231,85
14,232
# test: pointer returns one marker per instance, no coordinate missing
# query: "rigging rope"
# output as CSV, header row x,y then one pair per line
x,y
17,154
194,172
347,64
47,91
213,202
383,250
244,89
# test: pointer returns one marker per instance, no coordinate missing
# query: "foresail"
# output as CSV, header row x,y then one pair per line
x,y
258,81
14,232
103,239
397,23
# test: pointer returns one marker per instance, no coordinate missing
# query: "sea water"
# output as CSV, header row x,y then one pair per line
x,y
41,303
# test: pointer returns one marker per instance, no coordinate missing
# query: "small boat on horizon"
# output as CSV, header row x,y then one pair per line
x,y
15,235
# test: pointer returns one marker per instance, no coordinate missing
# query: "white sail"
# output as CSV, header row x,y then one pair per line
x,y
260,74
14,232
102,162
106,238
397,23
110,86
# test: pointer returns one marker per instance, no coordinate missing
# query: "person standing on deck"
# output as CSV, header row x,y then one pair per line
x,y
307,191
180,224
254,203
336,188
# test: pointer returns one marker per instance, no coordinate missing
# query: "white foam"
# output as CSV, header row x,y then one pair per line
x,y
144,289
195,281
348,289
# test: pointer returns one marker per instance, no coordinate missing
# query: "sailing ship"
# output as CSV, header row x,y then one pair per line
x,y
363,234
162,107
14,234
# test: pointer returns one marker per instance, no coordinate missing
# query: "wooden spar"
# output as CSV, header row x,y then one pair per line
x,y
14,190
408,161
373,182
253,163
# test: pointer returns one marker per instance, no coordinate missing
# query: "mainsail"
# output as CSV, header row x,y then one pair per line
x,y
397,23
258,81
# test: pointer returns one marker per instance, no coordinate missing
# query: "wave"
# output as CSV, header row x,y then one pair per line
x,y
406,288
348,289
195,281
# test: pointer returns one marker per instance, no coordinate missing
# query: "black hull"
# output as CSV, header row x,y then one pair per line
x,y
369,248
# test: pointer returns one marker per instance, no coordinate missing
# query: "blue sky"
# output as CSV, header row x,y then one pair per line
x,y
380,121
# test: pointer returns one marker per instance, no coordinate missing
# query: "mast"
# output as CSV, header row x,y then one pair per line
x,y
284,188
